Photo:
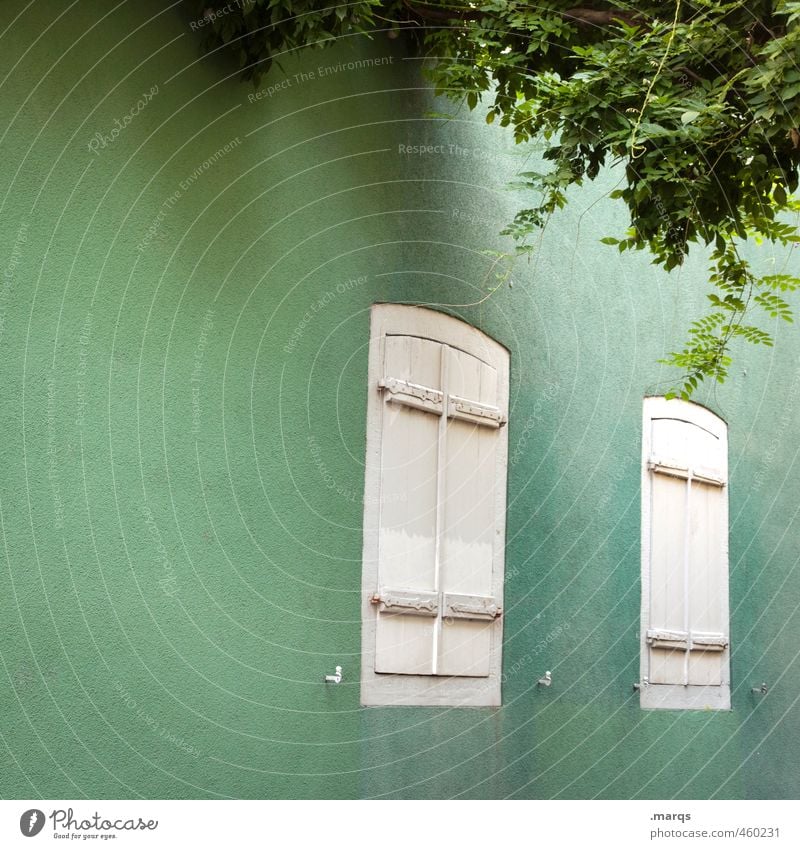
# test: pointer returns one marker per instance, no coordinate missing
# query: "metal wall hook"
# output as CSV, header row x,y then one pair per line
x,y
546,681
334,679
762,690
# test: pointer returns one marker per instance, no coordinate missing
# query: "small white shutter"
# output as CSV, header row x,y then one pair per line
x,y
440,541
685,598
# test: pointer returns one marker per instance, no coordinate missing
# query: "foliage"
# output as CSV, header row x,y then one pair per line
x,y
698,101
256,31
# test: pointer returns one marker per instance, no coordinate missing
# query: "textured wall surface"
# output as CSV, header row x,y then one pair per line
x,y
187,274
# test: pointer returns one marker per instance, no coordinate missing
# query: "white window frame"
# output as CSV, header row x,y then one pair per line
x,y
426,690
682,696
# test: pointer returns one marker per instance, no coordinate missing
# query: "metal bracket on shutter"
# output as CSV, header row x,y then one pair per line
x,y
667,467
708,476
413,395
474,411
411,602
658,638
471,607
708,642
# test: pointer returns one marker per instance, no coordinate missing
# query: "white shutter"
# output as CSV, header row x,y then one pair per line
x,y
684,579
468,523
438,407
406,626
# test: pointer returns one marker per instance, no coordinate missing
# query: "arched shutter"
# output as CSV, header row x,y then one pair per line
x,y
685,560
437,434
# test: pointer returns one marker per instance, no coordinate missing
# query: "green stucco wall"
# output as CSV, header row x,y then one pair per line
x,y
184,319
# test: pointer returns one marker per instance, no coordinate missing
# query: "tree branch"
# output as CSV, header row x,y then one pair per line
x,y
584,17
598,17
442,14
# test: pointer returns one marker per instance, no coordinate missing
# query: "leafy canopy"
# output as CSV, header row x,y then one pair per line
x,y
699,101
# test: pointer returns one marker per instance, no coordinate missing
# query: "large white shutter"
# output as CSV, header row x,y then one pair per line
x,y
434,536
684,547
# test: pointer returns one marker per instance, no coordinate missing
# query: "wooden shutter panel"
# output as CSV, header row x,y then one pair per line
x,y
687,629
666,606
709,632
468,532
407,623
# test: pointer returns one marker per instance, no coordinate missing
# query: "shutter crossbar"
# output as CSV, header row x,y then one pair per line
x,y
432,401
426,603
659,638
701,475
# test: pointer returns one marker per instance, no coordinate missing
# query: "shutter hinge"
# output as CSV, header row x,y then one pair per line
x,y
471,607
411,602
474,411
413,395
